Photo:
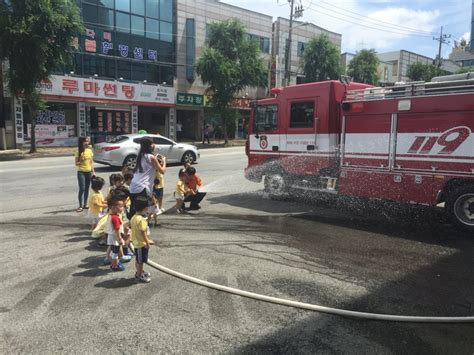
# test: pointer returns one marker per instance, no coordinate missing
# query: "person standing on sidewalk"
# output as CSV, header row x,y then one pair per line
x,y
206,134
179,130
85,171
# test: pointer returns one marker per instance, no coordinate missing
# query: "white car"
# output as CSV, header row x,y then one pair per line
x,y
123,150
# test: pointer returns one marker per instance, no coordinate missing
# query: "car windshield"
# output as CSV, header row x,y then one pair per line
x,y
118,139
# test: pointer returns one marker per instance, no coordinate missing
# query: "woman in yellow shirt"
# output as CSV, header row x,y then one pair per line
x,y
85,170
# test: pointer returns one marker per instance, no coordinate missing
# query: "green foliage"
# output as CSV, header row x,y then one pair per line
x,y
36,38
423,72
230,62
363,67
465,70
321,60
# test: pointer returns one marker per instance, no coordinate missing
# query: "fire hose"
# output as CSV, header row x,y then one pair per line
x,y
313,307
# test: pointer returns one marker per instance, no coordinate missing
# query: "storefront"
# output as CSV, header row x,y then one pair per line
x,y
98,108
190,116
237,127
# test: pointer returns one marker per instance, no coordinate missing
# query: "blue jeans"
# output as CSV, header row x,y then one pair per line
x,y
84,181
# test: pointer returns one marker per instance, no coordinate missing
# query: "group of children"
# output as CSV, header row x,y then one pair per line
x,y
115,226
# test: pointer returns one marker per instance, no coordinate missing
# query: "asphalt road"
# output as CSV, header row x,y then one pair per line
x,y
57,297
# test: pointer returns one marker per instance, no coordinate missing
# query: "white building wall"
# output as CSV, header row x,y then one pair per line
x,y
205,12
302,32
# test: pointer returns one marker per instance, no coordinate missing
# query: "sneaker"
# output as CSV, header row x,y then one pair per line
x,y
162,210
158,212
144,278
119,267
106,261
126,258
146,273
102,243
194,208
129,253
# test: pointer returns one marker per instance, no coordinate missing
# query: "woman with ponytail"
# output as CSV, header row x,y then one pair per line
x,y
144,173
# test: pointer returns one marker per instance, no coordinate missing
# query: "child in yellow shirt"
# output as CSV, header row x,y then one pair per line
x,y
140,238
96,201
182,191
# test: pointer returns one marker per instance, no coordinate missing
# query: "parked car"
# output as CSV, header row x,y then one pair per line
x,y
124,150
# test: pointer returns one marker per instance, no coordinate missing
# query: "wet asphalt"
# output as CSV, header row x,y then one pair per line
x,y
370,256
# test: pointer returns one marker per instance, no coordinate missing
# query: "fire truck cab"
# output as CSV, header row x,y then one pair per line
x,y
409,143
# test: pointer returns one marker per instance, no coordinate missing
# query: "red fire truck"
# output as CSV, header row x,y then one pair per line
x,y
410,143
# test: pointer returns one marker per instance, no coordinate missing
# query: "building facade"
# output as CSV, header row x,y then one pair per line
x,y
193,19
120,81
384,69
302,33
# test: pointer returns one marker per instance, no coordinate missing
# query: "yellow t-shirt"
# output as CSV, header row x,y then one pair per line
x,y
162,180
181,187
85,161
139,227
96,200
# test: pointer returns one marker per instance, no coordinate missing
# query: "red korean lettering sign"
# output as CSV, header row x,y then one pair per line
x,y
129,91
110,90
70,85
91,87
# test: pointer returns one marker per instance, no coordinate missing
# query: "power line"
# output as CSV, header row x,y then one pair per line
x,y
375,21
367,26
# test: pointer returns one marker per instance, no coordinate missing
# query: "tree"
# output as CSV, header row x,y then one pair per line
x,y
363,67
423,71
321,60
464,70
230,62
36,38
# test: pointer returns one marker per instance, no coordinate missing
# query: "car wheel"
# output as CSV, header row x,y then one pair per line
x,y
188,157
130,162
460,207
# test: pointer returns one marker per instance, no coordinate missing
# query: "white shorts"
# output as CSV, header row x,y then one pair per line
x,y
94,217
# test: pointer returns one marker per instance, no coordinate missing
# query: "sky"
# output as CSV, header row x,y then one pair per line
x,y
385,25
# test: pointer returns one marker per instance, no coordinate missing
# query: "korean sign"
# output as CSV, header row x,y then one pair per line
x,y
189,99
85,88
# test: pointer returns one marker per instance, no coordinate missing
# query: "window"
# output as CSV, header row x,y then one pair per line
x,y
265,118
122,22
106,18
300,50
124,70
123,5
263,43
138,7
89,14
166,31
302,115
106,3
190,48
106,67
152,8
166,10
152,29
138,25
161,141
90,65
138,71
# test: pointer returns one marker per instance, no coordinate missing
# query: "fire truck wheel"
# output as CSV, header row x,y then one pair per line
x,y
275,185
460,206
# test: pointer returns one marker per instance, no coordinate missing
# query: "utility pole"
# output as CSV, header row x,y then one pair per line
x,y
443,39
293,14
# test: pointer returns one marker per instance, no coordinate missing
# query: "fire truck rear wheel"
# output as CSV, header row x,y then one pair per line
x,y
276,185
460,206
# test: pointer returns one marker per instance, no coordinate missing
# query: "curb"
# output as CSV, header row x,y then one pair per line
x,y
16,154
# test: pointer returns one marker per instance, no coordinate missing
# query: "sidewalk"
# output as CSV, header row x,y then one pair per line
x,y
17,154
